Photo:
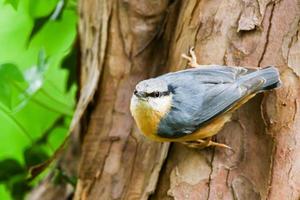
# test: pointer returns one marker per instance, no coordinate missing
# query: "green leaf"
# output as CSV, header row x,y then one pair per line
x,y
38,25
57,46
8,74
19,189
41,8
42,20
10,71
5,94
10,168
35,155
13,3
4,193
54,30
70,63
36,170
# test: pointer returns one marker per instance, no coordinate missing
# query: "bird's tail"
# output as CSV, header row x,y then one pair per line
x,y
270,75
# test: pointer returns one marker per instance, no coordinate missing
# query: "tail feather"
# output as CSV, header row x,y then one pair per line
x,y
270,75
273,86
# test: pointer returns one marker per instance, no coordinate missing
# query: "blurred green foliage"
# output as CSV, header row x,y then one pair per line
x,y
37,94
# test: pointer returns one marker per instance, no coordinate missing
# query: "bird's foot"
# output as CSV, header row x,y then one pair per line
x,y
203,143
192,60
197,144
216,144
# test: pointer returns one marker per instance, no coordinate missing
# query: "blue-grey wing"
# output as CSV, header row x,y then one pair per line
x,y
199,95
209,73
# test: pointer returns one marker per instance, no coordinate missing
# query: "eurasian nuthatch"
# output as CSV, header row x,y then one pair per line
x,y
192,105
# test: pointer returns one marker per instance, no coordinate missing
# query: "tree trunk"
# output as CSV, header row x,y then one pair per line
x,y
123,42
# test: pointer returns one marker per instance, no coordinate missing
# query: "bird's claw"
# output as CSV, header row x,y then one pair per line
x,y
216,144
192,59
203,143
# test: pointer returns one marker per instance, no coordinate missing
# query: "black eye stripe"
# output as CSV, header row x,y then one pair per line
x,y
153,94
157,94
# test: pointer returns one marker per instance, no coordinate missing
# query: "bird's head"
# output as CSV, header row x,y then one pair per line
x,y
153,94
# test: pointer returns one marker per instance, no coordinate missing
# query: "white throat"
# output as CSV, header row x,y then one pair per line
x,y
160,105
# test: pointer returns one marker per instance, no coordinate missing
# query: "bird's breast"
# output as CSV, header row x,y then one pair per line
x,y
147,117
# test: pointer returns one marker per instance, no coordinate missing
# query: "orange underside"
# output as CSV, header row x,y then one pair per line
x,y
149,126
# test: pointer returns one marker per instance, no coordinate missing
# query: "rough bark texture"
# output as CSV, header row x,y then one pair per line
x,y
124,41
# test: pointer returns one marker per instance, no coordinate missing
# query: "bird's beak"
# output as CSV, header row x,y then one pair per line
x,y
140,95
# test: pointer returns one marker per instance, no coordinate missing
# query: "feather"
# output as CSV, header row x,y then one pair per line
x,y
201,94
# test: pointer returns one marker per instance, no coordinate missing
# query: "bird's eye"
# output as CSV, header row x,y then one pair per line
x,y
156,94
135,92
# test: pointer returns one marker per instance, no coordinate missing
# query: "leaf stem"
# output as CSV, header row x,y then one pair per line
x,y
17,123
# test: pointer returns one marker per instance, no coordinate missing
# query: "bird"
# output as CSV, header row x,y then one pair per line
x,y
192,105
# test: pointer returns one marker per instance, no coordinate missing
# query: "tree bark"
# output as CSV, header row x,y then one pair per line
x,y
123,42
